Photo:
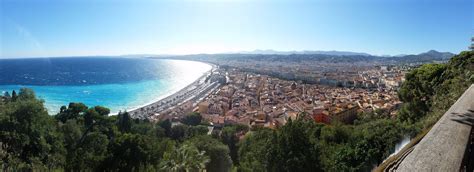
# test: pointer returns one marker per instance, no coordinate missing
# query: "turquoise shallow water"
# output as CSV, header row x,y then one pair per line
x,y
176,74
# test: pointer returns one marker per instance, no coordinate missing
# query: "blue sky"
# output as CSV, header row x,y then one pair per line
x,y
36,28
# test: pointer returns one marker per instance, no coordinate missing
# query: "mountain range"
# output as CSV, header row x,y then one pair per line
x,y
431,53
323,56
335,53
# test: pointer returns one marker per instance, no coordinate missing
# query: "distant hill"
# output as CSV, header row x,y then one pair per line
x,y
323,56
334,53
431,55
443,55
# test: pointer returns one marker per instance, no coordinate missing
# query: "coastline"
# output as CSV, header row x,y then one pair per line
x,y
140,95
168,101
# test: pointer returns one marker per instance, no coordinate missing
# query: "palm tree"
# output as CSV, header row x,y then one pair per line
x,y
186,158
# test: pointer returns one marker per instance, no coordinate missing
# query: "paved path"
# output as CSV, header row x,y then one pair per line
x,y
443,148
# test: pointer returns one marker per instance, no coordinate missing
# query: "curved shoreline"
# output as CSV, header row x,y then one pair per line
x,y
153,95
172,99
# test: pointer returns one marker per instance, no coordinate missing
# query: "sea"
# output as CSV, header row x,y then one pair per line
x,y
119,83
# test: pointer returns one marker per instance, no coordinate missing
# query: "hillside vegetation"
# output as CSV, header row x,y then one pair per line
x,y
430,90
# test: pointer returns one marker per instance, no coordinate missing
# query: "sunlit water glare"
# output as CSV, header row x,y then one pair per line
x,y
157,79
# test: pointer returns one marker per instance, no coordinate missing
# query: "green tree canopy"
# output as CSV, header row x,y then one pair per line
x,y
185,158
215,150
29,135
192,119
73,111
253,149
124,122
293,148
229,137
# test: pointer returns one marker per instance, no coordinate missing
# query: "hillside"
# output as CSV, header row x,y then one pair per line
x,y
431,89
331,56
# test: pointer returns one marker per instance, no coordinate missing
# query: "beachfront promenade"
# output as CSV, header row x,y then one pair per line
x,y
194,92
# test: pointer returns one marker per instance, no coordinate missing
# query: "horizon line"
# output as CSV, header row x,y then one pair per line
x,y
251,52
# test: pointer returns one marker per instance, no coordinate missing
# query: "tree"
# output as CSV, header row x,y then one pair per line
x,y
76,108
90,152
192,119
293,148
7,94
103,111
253,150
160,132
26,94
131,152
90,116
335,134
72,132
5,98
144,128
29,135
73,111
185,158
166,124
14,96
178,132
95,115
417,90
431,89
193,131
216,150
358,147
124,122
229,137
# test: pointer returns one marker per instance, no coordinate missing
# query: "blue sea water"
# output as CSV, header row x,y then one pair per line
x,y
117,83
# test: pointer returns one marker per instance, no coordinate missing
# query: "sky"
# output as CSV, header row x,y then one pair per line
x,y
39,28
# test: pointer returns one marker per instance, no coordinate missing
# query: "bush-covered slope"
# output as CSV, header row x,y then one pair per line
x,y
431,89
